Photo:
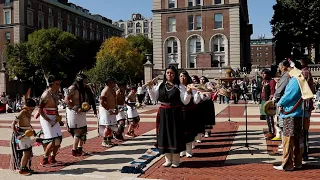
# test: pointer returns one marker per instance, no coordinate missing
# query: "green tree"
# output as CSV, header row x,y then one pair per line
x,y
142,44
295,23
126,61
51,51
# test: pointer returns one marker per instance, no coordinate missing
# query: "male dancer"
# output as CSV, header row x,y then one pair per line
x,y
121,116
75,96
21,141
132,113
108,111
50,121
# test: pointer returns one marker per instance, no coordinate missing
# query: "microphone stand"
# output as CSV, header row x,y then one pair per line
x,y
246,145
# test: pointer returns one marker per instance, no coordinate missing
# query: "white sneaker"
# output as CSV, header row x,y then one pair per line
x,y
167,164
175,165
193,146
280,146
198,141
206,134
183,153
280,168
280,150
188,155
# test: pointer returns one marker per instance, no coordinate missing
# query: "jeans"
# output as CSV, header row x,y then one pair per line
x,y
254,96
221,98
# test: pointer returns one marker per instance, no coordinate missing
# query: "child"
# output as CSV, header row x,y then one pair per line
x,y
21,141
132,113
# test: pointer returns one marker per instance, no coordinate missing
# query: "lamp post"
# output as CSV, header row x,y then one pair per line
x,y
16,82
173,61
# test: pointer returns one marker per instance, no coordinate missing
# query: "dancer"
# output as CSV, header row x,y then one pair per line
x,y
21,141
50,121
108,111
189,114
77,100
206,108
121,116
170,134
132,113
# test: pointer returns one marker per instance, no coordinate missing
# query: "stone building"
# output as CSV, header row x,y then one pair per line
x,y
136,25
262,52
201,36
19,18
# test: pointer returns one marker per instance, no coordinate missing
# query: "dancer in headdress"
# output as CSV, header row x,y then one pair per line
x,y
190,114
108,110
50,121
77,100
121,116
170,135
132,112
21,142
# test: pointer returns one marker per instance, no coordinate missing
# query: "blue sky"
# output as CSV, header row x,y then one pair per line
x,y
260,11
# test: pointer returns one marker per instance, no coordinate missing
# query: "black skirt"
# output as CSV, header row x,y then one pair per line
x,y
170,135
207,114
190,119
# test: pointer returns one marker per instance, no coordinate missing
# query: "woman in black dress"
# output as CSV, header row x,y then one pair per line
x,y
189,114
207,109
170,129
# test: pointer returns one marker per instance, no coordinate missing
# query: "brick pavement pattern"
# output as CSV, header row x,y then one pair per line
x,y
64,157
208,155
209,162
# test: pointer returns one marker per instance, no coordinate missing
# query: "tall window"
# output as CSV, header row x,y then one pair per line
x,y
219,51
190,22
218,21
194,49
50,22
218,1
30,18
145,24
171,24
172,50
198,23
40,8
91,35
122,26
77,31
41,21
138,30
50,11
59,14
29,4
8,36
7,17
7,3
138,25
171,3
194,3
84,34
130,24
60,25
69,28
194,22
98,35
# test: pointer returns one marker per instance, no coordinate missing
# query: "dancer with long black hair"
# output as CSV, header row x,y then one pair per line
x,y
170,131
189,114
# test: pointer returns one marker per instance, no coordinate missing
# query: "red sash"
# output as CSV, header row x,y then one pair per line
x,y
50,112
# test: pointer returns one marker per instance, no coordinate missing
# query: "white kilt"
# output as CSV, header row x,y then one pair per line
x,y
105,118
48,131
132,112
114,128
121,115
25,142
76,120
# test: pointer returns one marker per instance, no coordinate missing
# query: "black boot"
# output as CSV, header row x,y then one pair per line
x,y
305,145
